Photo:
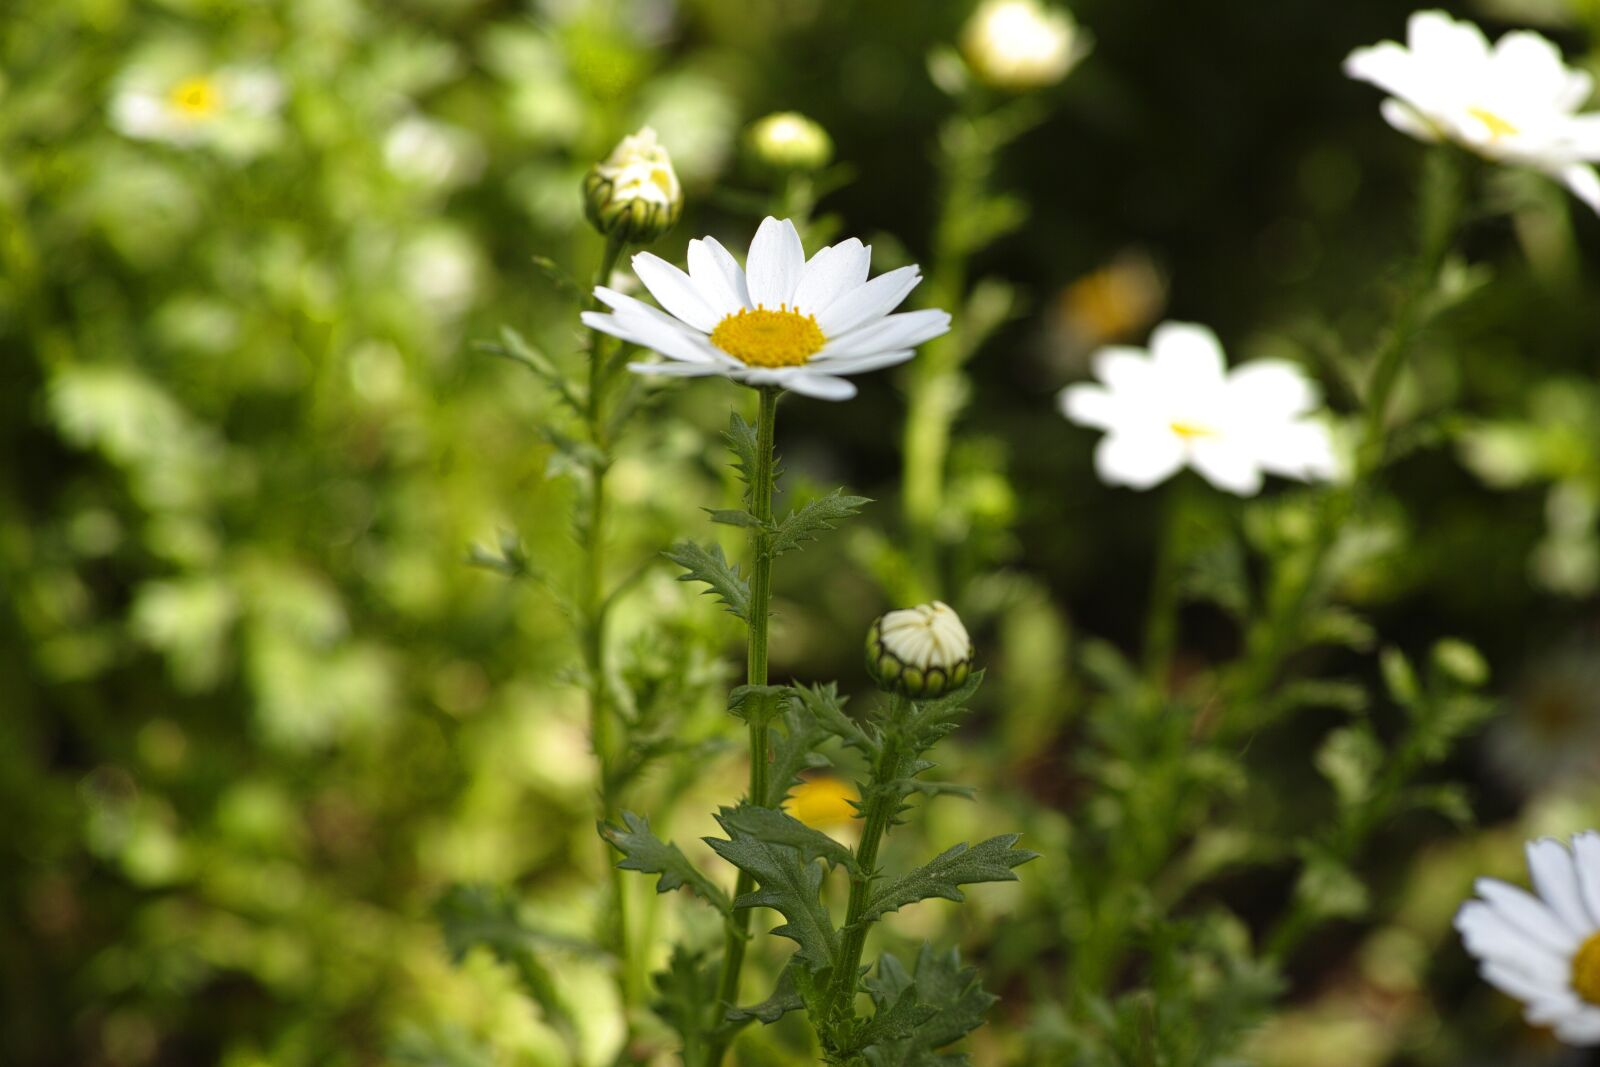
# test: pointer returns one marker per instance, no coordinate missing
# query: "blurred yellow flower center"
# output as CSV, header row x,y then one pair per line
x,y
1190,431
821,802
196,97
763,338
1498,127
1586,970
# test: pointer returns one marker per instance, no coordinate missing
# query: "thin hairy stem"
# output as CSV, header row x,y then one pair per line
x,y
755,674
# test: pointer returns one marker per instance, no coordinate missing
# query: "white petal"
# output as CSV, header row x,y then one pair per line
x,y
1124,369
1586,857
1534,994
1525,911
1302,449
1088,404
1584,183
833,271
1581,1028
1556,879
1409,121
1576,93
862,364
717,276
678,370
1226,464
1441,41
1273,385
1533,65
1487,935
821,386
905,330
870,301
1187,356
1583,134
675,291
669,341
1388,66
1139,460
775,263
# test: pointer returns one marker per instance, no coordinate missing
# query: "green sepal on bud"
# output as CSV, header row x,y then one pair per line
x,y
788,140
922,652
633,195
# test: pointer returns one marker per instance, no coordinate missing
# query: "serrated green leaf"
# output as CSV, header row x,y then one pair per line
x,y
921,1012
784,999
644,851
1329,887
710,566
758,703
808,521
788,884
559,278
742,440
824,704
793,749
779,827
686,992
732,517
488,916
514,347
1350,759
958,865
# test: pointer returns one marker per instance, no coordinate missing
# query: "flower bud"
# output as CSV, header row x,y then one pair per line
x,y
787,140
634,195
1021,45
921,652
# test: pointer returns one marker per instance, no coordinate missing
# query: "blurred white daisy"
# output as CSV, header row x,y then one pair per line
x,y
1549,736
1177,405
1545,949
1516,102
1020,45
173,99
785,321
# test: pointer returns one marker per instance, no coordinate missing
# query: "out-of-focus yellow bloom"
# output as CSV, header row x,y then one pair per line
x,y
1114,303
634,193
822,802
787,140
1022,45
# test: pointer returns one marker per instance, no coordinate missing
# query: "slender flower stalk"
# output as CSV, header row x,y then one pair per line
x,y
877,809
631,196
761,487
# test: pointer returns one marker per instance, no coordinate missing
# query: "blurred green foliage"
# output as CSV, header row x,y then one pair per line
x,y
258,709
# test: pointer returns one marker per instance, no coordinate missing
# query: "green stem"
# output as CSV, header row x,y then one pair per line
x,y
755,674
603,726
880,808
1274,639
1161,619
1439,210
936,389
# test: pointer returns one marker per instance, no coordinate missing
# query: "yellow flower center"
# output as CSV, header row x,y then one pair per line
x,y
1190,431
763,338
822,802
196,98
1498,127
1586,970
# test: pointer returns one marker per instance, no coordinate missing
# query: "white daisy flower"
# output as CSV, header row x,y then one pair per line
x,y
1516,102
786,321
1177,405
1545,949
233,108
